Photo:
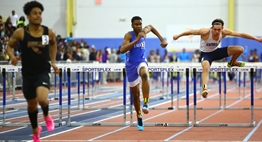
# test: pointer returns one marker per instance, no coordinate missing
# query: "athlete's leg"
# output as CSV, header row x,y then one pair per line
x,y
30,95
42,91
32,113
145,87
136,99
235,51
205,73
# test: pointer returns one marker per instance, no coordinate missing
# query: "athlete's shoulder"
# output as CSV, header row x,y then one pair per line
x,y
128,35
204,30
19,33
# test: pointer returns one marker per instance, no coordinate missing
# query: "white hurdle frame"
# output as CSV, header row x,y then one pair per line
x,y
251,124
163,67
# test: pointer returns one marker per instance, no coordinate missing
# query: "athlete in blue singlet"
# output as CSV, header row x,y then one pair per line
x,y
136,64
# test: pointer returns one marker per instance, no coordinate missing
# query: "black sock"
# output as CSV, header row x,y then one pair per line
x,y
33,118
140,121
45,110
139,118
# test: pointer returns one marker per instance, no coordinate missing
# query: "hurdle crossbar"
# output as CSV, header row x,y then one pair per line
x,y
199,124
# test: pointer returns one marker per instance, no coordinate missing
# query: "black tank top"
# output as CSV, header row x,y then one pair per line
x,y
35,54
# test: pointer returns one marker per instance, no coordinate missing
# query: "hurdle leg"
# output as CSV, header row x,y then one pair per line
x,y
187,95
55,97
172,91
195,94
88,84
60,98
69,96
162,80
244,83
9,82
220,94
78,88
178,91
252,96
84,84
167,85
124,95
239,85
225,89
157,80
131,108
13,84
65,83
93,83
4,95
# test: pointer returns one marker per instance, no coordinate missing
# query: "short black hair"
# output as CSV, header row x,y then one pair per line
x,y
30,5
135,18
218,22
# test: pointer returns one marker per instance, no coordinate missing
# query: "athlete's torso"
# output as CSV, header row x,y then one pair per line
x,y
35,53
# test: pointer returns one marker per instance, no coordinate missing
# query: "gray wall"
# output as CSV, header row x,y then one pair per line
x,y
103,21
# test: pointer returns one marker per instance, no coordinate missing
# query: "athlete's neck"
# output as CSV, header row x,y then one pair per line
x,y
136,33
33,28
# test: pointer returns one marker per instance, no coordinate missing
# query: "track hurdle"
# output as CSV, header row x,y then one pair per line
x,y
199,69
252,123
165,124
5,110
124,107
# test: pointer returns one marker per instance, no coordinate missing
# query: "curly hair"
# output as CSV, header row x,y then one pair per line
x,y
30,5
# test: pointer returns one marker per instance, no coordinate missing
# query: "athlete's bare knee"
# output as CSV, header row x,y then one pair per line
x,y
43,103
240,49
205,66
42,95
236,50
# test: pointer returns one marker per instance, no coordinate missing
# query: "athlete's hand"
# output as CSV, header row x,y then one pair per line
x,y
175,37
56,70
259,39
140,35
163,44
14,60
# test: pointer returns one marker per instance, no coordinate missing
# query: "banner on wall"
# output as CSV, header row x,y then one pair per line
x,y
190,43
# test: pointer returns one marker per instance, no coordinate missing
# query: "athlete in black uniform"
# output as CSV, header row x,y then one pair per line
x,y
38,46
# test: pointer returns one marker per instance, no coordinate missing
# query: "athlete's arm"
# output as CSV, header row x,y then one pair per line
x,y
53,46
126,44
201,31
150,28
17,36
238,34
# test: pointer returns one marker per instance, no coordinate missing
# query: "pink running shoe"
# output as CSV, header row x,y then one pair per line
x,y
36,136
49,123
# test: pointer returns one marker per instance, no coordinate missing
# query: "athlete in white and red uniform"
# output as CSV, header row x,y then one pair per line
x,y
210,39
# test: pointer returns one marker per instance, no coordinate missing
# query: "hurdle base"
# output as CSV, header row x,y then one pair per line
x,y
165,124
169,108
14,99
102,99
99,108
243,108
248,98
210,99
225,124
9,124
74,123
201,108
